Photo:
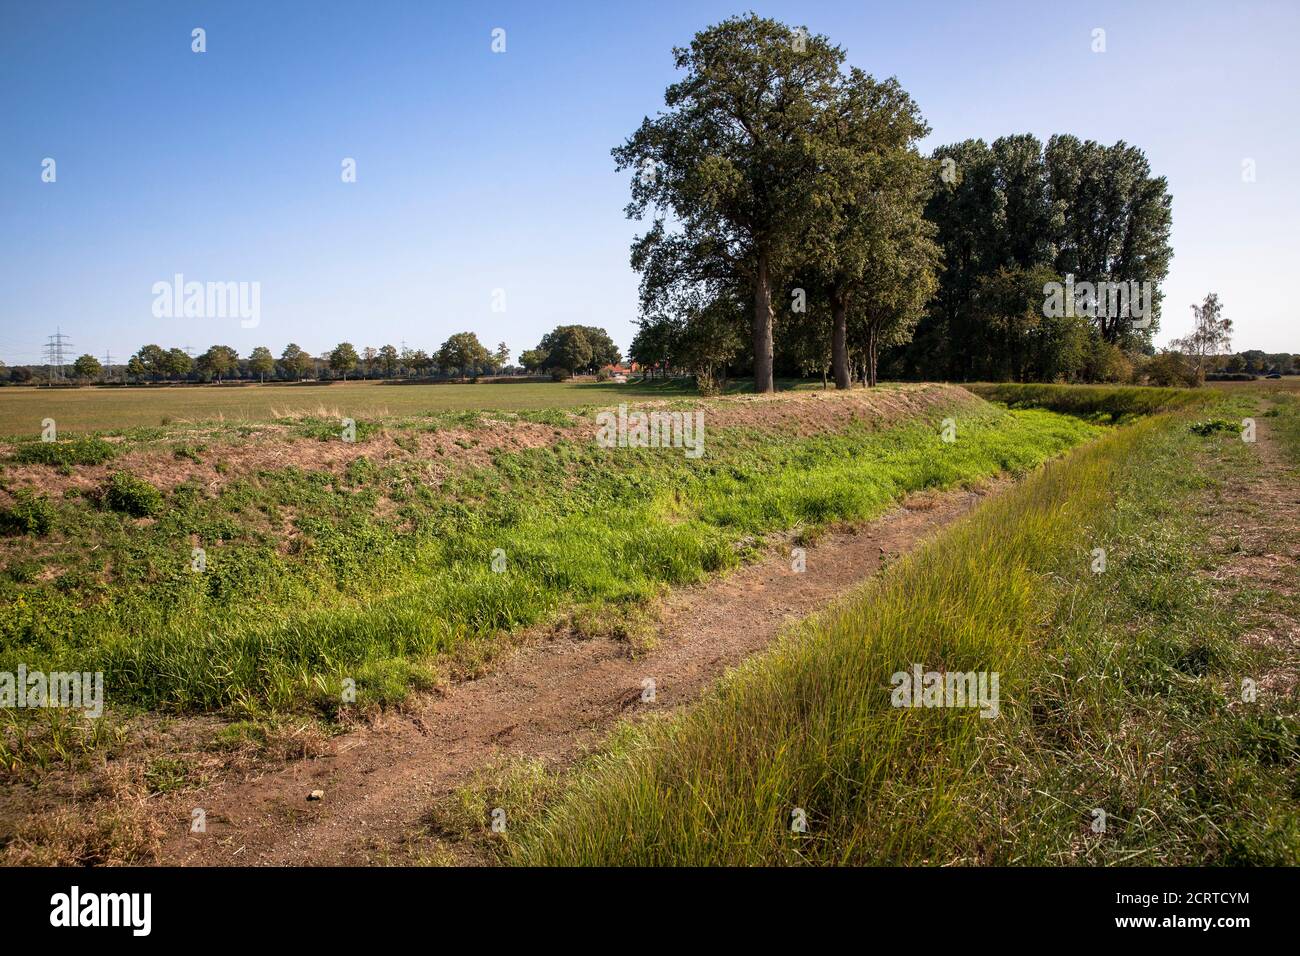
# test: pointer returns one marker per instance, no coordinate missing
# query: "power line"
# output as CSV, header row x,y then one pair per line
x,y
54,347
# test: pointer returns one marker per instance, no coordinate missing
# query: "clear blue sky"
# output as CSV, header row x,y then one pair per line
x,y
479,171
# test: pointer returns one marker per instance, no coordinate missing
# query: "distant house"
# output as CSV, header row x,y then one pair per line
x,y
618,373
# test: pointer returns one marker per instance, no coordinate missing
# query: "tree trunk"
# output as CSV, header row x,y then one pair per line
x,y
840,340
763,328
873,349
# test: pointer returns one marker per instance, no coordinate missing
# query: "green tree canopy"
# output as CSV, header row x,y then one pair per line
x,y
87,367
218,361
296,363
577,349
532,359
150,361
178,363
464,353
343,359
261,363
869,250
733,159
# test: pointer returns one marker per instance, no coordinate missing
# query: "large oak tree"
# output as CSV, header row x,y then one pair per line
x,y
734,161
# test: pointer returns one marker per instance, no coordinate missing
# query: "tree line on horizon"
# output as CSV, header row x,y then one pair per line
x,y
565,351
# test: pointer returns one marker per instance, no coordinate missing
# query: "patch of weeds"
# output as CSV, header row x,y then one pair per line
x,y
23,572
555,417
132,495
64,454
377,684
629,622
359,472
166,775
498,800
470,419
1212,425
30,514
241,734
192,452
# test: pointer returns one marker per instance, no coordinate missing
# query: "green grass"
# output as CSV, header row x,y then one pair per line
x,y
1285,419
309,581
1108,402
1119,691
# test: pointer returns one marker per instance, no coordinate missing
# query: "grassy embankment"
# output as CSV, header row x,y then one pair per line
x,y
1105,402
1121,692
371,572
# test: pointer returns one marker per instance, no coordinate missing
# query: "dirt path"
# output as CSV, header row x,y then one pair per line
x,y
1259,528
545,700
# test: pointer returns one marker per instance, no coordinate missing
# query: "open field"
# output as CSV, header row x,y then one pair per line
x,y
81,410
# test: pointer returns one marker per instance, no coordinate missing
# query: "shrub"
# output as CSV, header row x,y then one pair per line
x,y
1170,369
30,514
560,375
131,495
1107,363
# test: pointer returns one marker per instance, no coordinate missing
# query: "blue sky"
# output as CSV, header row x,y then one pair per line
x,y
479,171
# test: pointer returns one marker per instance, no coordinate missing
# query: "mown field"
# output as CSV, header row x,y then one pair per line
x,y
1126,732
83,410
